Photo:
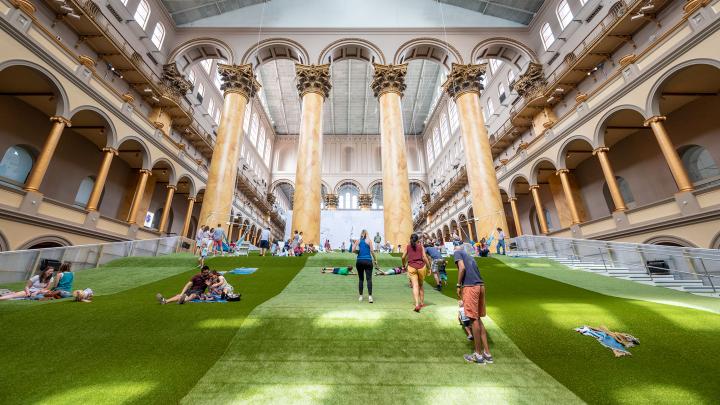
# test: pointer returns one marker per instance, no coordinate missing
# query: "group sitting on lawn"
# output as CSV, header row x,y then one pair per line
x,y
50,284
207,285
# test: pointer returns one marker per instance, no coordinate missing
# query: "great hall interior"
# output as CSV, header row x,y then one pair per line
x,y
572,125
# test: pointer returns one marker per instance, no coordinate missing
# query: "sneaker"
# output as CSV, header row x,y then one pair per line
x,y
470,337
474,358
439,287
370,300
360,298
182,299
488,358
417,308
160,298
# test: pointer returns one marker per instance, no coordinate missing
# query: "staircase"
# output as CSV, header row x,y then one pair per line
x,y
626,273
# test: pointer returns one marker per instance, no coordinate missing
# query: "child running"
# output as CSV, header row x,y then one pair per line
x,y
465,322
341,271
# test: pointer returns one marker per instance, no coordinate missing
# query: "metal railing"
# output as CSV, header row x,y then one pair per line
x,y
19,265
680,262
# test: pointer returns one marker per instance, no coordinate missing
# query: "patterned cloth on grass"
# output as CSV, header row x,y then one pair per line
x,y
243,270
618,342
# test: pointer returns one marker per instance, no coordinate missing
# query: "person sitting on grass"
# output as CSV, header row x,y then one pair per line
x,y
465,322
64,281
35,288
391,272
219,285
341,271
192,289
85,295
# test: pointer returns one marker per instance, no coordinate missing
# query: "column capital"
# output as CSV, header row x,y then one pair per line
x,y
191,198
111,150
174,82
388,79
171,186
313,79
365,200
465,79
512,199
534,187
331,201
532,83
238,79
562,171
61,120
145,171
654,119
602,149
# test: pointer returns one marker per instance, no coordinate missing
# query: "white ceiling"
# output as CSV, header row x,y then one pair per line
x,y
351,107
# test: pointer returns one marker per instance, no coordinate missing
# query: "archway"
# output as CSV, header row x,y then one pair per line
x,y
122,180
199,49
520,189
543,174
585,175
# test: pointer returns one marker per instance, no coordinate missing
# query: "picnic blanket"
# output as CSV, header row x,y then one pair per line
x,y
243,270
618,342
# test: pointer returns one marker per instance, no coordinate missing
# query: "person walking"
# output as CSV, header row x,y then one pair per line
x,y
471,290
264,241
377,240
365,262
218,237
501,241
416,262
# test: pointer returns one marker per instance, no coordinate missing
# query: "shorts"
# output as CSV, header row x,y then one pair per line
x,y
417,274
474,301
264,244
217,243
196,292
436,265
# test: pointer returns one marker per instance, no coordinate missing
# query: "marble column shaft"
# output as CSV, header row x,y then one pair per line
x,y
166,208
139,191
94,200
569,197
464,86
618,201
37,174
535,190
313,86
668,150
516,216
188,216
239,86
388,85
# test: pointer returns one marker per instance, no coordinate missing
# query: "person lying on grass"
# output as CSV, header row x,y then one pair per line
x,y
391,272
342,271
192,289
219,286
38,285
85,295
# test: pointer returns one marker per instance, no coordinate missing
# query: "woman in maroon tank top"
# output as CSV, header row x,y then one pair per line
x,y
416,263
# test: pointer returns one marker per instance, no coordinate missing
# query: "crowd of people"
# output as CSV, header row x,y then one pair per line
x,y
51,283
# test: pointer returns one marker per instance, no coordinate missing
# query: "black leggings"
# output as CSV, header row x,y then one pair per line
x,y
364,269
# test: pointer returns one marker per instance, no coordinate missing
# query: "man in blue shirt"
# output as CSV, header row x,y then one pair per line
x,y
437,265
471,290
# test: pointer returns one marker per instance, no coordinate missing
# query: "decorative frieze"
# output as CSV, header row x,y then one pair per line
x,y
464,79
388,79
174,82
238,79
313,79
531,84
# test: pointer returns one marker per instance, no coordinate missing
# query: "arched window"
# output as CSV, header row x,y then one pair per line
x,y
261,142
191,77
83,193
206,64
698,163
564,14
436,141
490,108
444,129
511,76
142,13
452,112
158,35
547,36
254,129
348,195
429,151
16,164
347,158
625,192
501,92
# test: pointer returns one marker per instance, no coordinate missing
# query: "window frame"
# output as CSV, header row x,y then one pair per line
x,y
137,14
156,39
564,14
546,35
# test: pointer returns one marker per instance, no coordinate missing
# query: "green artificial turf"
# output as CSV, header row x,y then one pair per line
x,y
612,286
315,343
125,347
676,362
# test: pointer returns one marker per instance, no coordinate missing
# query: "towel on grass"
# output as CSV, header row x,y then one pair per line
x,y
618,342
215,298
243,270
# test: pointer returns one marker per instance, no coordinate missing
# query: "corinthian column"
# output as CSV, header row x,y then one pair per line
x,y
610,180
313,84
239,86
668,150
464,86
388,85
535,190
516,216
99,185
166,208
37,174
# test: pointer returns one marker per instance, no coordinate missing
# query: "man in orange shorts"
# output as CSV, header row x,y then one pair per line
x,y
471,290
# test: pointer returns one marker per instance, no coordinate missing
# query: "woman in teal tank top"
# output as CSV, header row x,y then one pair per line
x,y
64,280
365,263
